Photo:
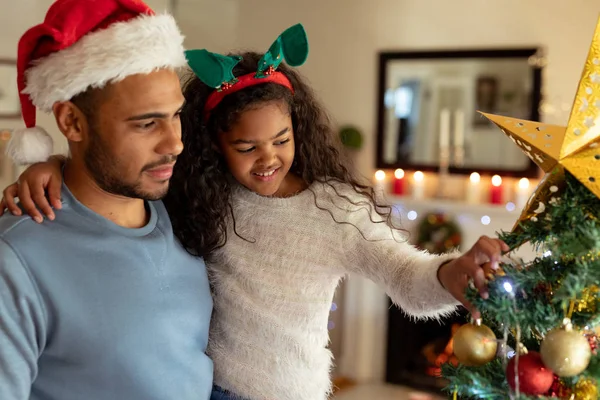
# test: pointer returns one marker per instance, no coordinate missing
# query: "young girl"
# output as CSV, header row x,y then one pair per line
x,y
262,193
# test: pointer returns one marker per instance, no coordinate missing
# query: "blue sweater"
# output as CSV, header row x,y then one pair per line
x,y
90,310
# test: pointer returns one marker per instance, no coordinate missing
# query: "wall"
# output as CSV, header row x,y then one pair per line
x,y
345,37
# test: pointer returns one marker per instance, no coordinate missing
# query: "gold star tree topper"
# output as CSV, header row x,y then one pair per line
x,y
575,148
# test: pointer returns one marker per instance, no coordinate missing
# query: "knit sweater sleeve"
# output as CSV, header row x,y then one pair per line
x,y
22,323
374,250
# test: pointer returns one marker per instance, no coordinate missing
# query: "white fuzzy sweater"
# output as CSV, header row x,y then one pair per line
x,y
273,291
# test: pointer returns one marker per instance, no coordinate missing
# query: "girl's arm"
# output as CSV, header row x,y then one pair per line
x,y
31,188
422,284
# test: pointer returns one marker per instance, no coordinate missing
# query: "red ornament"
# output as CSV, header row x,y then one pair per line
x,y
534,377
593,341
558,389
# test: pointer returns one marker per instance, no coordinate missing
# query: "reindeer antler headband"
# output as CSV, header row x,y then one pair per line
x,y
216,70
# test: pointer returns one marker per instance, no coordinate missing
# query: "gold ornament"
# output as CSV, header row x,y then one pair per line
x,y
475,344
565,351
585,389
575,148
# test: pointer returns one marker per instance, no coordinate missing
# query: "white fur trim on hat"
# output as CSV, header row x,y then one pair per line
x,y
29,145
140,45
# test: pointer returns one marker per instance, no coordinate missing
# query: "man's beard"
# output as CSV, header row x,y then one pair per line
x,y
104,168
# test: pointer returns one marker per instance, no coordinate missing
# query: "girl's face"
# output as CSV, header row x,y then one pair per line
x,y
259,149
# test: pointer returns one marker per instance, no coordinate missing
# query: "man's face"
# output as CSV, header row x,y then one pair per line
x,y
135,136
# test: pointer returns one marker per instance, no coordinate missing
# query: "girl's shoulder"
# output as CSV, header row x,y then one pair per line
x,y
341,193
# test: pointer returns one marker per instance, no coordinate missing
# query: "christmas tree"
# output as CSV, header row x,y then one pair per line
x,y
538,333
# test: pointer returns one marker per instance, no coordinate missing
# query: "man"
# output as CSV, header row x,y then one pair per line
x,y
103,303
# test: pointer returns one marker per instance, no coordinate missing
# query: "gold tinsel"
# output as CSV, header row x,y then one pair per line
x,y
588,302
585,389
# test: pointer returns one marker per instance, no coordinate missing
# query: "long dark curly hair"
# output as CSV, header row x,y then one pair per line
x,y
199,197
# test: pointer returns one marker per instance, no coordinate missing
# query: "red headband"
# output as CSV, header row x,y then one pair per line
x,y
243,82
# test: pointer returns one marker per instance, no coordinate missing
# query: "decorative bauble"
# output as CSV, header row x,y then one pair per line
x,y
585,389
558,389
534,377
565,351
592,339
475,344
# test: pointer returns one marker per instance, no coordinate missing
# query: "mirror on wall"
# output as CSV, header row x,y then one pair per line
x,y
429,100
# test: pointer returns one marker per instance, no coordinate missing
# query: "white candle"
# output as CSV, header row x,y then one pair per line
x,y
418,187
474,189
522,193
459,129
379,183
445,129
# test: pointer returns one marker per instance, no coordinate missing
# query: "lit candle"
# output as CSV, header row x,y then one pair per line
x,y
474,189
496,190
445,129
379,183
418,189
399,182
522,193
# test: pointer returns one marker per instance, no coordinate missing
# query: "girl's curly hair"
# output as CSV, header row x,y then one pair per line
x,y
198,200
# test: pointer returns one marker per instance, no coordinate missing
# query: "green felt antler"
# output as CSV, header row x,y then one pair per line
x,y
291,46
216,70
211,68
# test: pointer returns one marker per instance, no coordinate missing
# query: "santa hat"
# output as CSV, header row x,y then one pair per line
x,y
86,44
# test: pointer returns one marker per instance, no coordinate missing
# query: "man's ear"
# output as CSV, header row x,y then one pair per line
x,y
70,120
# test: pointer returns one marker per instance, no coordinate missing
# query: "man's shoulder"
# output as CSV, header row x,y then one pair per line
x,y
23,230
12,225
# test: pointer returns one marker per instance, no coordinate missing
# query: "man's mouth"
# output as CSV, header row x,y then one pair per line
x,y
161,172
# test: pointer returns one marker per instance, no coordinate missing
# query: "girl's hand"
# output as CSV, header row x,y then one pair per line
x,y
455,275
31,188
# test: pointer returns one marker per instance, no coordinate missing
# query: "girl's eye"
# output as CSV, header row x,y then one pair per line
x,y
246,150
282,142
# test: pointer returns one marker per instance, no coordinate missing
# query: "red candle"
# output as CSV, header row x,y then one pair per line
x,y
496,190
399,182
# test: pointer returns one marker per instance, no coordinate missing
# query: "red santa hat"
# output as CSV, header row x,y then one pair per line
x,y
86,44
